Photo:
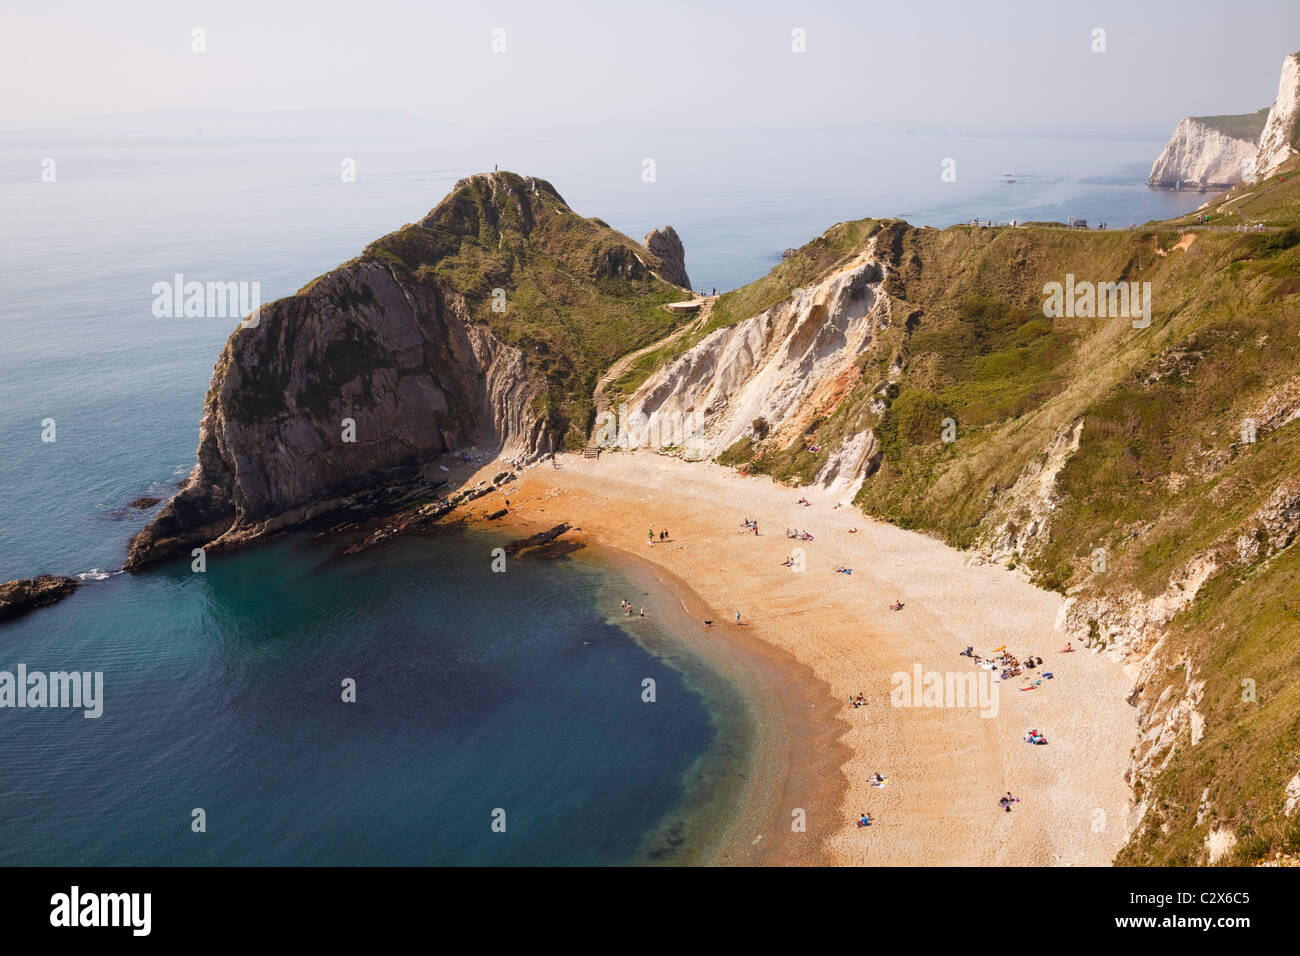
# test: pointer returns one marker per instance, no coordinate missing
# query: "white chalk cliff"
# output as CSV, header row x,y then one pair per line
x,y
1278,142
782,365
1204,151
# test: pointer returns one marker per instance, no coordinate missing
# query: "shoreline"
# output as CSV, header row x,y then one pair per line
x,y
774,687
817,638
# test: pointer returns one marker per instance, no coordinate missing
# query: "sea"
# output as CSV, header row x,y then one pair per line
x,y
497,720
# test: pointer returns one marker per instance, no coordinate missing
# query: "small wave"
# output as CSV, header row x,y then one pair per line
x,y
96,574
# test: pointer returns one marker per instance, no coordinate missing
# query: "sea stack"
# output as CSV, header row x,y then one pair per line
x,y
667,245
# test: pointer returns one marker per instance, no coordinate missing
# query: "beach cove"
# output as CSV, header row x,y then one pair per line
x,y
817,632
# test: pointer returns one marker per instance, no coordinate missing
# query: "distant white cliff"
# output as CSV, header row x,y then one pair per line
x,y
1211,151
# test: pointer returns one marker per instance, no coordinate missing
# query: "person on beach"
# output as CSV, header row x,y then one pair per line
x,y
643,610
737,617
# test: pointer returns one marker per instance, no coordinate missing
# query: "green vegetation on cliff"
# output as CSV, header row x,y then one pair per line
x,y
574,294
1188,438
1239,126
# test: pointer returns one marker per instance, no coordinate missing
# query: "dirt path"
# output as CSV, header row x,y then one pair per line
x,y
624,363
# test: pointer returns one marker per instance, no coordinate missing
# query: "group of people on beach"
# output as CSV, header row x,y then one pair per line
x,y
798,535
1010,665
629,607
750,524
858,701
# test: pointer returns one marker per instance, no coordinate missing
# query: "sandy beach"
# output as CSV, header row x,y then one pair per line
x,y
814,638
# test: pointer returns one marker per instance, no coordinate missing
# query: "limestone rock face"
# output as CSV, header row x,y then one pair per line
x,y
667,245
1280,139
343,395
1203,152
330,392
780,365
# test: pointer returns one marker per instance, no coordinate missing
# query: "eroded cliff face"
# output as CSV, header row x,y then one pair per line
x,y
361,379
1280,139
783,366
1200,153
344,396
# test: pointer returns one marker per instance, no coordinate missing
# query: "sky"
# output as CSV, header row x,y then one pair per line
x,y
698,64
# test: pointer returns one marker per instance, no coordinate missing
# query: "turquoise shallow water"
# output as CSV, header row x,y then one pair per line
x,y
475,692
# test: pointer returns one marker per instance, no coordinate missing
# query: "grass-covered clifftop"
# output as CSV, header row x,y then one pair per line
x,y
1171,451
574,293
1239,125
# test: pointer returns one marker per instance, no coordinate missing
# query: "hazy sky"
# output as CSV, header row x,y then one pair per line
x,y
641,63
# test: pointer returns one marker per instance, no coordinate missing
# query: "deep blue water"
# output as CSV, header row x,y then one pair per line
x,y
475,692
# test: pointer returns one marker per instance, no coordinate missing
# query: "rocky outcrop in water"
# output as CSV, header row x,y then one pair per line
x,y
667,245
26,594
